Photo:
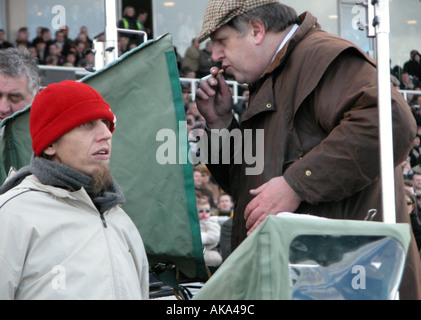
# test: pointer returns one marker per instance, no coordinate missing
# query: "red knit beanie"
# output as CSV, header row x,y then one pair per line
x,y
61,107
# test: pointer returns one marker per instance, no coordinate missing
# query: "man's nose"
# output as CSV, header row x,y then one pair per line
x,y
217,54
104,131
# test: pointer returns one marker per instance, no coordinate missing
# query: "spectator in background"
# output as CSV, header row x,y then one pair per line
x,y
65,30
205,193
19,80
61,42
415,152
80,48
38,35
413,66
123,45
129,21
190,122
416,180
3,43
191,56
51,61
82,37
205,60
41,54
33,51
407,170
23,37
70,59
408,82
206,182
54,53
142,17
210,232
46,37
84,30
413,213
413,101
225,206
417,101
192,109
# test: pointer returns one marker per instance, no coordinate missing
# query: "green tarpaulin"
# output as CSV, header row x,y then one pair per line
x,y
144,92
319,258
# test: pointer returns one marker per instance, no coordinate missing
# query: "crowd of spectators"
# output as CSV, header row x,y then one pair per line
x,y
56,48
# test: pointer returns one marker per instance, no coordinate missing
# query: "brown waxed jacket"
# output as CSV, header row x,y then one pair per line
x,y
317,104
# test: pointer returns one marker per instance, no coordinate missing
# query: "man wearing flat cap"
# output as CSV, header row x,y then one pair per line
x,y
315,97
63,233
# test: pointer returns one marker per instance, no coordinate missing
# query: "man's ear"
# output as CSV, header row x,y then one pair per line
x,y
50,150
258,30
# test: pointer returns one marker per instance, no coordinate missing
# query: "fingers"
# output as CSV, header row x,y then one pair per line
x,y
255,192
205,94
254,210
207,88
253,217
253,204
256,224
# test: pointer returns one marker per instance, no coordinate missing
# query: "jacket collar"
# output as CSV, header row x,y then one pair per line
x,y
260,100
308,22
31,182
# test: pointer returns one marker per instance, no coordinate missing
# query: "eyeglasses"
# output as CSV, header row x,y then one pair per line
x,y
203,210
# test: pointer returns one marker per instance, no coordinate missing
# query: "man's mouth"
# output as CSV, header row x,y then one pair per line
x,y
103,154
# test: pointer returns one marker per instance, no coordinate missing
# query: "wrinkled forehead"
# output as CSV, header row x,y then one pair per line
x,y
9,84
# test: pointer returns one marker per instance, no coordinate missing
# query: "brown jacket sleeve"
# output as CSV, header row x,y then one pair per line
x,y
345,105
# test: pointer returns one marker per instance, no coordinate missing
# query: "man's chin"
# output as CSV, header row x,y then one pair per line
x,y
102,177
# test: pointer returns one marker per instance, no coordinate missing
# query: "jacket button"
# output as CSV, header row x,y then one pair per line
x,y
308,173
269,105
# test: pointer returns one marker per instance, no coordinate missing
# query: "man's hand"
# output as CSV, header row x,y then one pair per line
x,y
214,101
273,197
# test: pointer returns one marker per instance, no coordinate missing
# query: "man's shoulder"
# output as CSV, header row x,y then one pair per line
x,y
12,194
323,45
22,192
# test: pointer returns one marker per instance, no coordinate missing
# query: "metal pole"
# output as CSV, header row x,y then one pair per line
x,y
111,39
381,23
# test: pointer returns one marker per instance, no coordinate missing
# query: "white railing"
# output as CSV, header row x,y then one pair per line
x,y
192,83
406,92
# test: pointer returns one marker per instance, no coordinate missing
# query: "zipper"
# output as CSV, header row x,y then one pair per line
x,y
104,223
113,268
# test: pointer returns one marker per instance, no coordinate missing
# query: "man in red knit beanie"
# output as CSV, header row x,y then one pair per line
x,y
63,233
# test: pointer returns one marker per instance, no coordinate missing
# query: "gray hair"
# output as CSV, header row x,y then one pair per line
x,y
275,17
18,63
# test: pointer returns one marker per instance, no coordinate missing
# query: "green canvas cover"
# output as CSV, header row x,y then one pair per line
x,y
260,268
144,92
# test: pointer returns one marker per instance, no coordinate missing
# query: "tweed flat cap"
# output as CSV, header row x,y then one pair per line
x,y
220,12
